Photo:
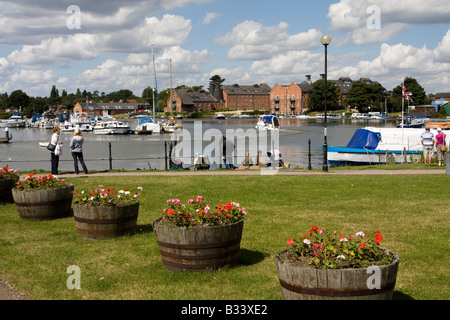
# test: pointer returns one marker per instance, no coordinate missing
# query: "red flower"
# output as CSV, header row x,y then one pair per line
x,y
290,241
170,212
228,206
362,245
316,229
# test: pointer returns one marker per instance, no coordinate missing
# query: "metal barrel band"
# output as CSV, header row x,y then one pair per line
x,y
197,266
41,204
105,232
201,246
200,257
106,221
335,292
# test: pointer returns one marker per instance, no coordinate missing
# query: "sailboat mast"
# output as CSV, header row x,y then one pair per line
x,y
171,92
156,82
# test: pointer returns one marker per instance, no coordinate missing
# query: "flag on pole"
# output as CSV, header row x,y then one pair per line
x,y
407,94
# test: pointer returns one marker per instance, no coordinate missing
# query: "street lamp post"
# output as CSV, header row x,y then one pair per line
x,y
325,40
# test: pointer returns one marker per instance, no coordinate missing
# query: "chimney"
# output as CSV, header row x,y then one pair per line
x,y
212,88
308,78
218,94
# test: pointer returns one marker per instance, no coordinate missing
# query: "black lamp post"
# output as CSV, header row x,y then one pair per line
x,y
326,40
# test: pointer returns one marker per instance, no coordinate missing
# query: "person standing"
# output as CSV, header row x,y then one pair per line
x,y
428,143
55,140
440,143
76,146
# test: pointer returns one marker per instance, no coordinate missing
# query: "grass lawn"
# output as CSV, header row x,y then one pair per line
x,y
411,211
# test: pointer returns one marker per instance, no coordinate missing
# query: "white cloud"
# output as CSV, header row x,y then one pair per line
x,y
210,17
442,52
395,16
250,40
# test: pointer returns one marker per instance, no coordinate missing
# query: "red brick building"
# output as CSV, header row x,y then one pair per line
x,y
290,99
247,98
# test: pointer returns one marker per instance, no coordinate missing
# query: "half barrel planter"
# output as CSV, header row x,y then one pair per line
x,y
301,283
44,204
104,222
6,186
199,248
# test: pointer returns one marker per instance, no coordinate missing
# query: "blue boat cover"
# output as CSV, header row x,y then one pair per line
x,y
364,139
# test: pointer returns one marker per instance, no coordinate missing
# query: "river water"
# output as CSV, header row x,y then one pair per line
x,y
145,152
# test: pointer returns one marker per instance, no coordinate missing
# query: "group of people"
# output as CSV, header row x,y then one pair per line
x,y
429,141
76,148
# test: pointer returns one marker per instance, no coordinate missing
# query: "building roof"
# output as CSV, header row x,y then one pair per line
x,y
113,106
190,97
256,89
442,95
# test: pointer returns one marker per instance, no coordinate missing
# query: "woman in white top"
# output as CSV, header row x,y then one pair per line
x,y
55,141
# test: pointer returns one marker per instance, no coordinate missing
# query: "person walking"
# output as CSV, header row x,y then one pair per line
x,y
76,146
428,143
55,140
440,143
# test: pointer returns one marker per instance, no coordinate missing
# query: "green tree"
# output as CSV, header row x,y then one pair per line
x,y
18,99
217,79
366,97
317,96
419,96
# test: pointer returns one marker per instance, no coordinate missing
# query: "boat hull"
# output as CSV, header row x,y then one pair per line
x,y
339,156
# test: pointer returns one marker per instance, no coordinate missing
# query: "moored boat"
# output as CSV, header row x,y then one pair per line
x,y
15,121
268,122
146,125
111,128
373,145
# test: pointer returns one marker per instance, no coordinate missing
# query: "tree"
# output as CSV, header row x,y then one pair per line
x,y
18,99
217,79
365,97
419,96
316,96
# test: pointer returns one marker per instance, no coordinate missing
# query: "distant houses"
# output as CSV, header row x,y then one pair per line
x,y
109,109
287,99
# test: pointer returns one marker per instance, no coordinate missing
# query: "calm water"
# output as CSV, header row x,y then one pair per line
x,y
131,152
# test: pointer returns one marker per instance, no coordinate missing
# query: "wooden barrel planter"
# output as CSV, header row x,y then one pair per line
x,y
194,249
103,222
44,204
300,283
6,186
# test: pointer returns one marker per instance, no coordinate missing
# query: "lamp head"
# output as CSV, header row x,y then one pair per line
x,y
326,40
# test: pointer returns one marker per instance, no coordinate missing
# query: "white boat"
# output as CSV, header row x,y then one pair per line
x,y
67,127
268,122
146,125
373,145
15,121
111,128
303,116
412,122
220,116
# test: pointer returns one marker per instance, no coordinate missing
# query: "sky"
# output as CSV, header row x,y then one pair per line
x,y
110,45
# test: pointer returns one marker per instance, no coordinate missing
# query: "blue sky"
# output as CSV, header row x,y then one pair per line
x,y
245,42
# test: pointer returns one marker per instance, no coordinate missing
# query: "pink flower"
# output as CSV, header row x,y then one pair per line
x,y
306,241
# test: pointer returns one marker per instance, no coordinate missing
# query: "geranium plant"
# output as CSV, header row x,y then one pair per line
x,y
8,173
102,196
199,213
45,182
323,250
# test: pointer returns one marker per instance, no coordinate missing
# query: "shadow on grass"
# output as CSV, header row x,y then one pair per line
x,y
250,257
401,296
144,229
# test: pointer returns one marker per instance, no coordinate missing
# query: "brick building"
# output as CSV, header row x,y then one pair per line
x,y
290,99
185,100
247,98
109,109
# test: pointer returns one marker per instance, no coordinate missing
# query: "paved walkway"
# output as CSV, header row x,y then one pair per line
x,y
6,293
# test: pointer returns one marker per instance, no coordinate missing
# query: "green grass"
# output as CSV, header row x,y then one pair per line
x,y
411,211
